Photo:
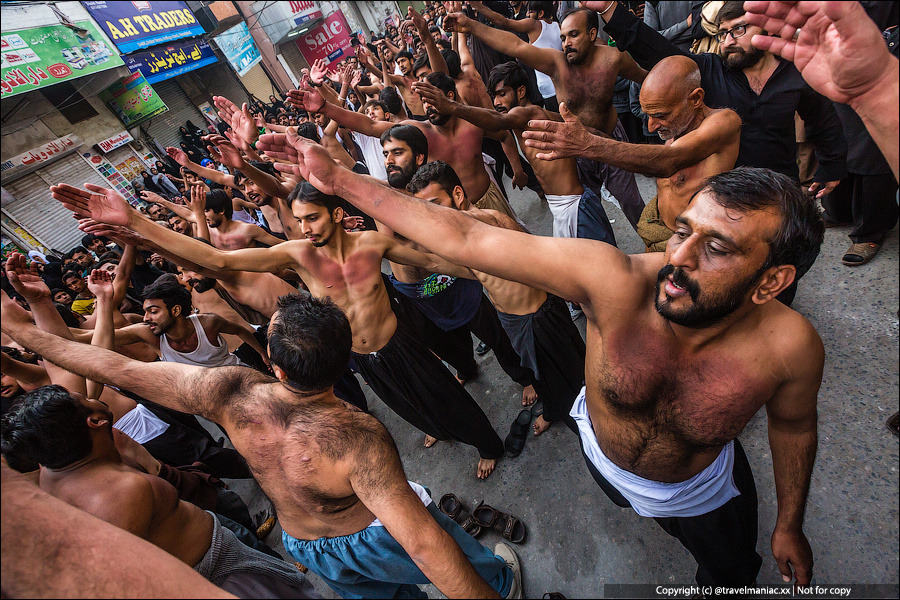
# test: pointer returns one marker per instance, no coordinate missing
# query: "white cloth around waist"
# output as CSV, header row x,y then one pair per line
x,y
141,425
420,492
702,493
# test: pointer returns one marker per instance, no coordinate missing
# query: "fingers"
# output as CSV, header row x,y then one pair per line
x,y
784,566
775,45
538,125
548,155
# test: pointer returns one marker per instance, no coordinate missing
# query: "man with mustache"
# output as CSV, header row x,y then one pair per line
x,y
683,348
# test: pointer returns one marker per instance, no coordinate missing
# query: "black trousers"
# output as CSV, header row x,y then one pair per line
x,y
417,386
722,541
868,202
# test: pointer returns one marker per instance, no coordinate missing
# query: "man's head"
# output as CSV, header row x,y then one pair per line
x,y
196,281
218,208
734,37
376,110
109,265
9,387
284,120
445,83
391,100
165,303
405,149
421,68
672,98
94,243
743,239
75,281
179,225
322,120
253,191
81,256
158,261
62,296
157,212
437,182
309,342
508,86
191,179
405,62
540,9
54,427
578,31
318,215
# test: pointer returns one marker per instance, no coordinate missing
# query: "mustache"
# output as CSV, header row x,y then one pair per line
x,y
679,278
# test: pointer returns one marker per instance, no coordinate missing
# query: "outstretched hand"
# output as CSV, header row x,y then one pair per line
x,y
433,96
457,22
225,108
306,98
178,155
25,279
315,164
94,202
100,283
14,316
838,49
197,202
562,140
223,151
244,124
318,71
120,235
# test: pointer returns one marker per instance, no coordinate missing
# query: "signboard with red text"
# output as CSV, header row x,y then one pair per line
x,y
330,41
40,156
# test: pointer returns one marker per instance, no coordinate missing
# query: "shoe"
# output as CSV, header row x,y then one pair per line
x,y
860,254
481,349
512,561
518,433
574,310
893,424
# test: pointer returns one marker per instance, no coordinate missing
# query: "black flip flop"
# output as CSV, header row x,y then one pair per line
x,y
518,433
537,409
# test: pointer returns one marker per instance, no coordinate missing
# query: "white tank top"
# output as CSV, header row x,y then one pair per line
x,y
206,355
549,38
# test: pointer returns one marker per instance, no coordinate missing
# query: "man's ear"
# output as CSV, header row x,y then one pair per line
x,y
774,281
696,97
338,215
459,197
176,310
421,159
97,420
522,92
279,373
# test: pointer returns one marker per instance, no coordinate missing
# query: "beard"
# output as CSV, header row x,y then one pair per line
x,y
738,59
398,177
575,58
204,284
704,311
436,118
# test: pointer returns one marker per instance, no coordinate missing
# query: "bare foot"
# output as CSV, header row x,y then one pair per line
x,y
430,441
529,396
486,467
461,381
540,425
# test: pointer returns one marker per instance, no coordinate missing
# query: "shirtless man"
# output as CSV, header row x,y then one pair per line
x,y
451,140
684,347
699,142
509,87
71,437
347,268
402,82
584,75
329,470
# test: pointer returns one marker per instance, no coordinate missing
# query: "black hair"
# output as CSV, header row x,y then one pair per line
x,y
404,54
265,167
454,64
434,29
219,202
55,291
444,44
391,99
593,18
438,172
86,240
800,234
49,426
172,293
378,103
310,341
77,250
72,273
68,317
422,61
508,73
542,6
443,82
411,135
730,10
309,130
305,192
109,261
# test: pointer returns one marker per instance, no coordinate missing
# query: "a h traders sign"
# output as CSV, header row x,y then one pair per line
x,y
136,25
35,58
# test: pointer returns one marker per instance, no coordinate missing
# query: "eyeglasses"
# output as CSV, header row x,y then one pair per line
x,y
735,32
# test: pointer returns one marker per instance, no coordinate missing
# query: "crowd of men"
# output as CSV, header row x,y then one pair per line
x,y
247,287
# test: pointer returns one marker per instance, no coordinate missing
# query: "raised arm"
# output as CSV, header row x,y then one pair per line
x,y
528,26
311,100
435,58
198,209
487,119
179,209
404,255
214,175
104,331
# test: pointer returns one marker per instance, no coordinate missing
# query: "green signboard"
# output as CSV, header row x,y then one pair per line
x,y
133,100
40,57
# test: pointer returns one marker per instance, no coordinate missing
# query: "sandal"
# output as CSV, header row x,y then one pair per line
x,y
518,433
453,507
510,527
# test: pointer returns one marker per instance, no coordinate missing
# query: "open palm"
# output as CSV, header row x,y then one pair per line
x,y
94,202
25,280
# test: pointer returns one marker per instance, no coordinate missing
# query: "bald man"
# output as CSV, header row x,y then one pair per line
x,y
699,142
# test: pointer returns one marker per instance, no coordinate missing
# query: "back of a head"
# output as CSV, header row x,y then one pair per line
x,y
309,130
310,341
48,426
390,98
306,192
443,82
454,64
172,293
219,202
508,73
800,234
544,8
409,134
436,171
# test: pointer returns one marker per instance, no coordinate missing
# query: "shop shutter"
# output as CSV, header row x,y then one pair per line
x,y
292,56
164,128
220,80
40,214
257,83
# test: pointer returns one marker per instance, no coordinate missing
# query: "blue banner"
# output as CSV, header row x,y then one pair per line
x,y
136,25
170,60
238,47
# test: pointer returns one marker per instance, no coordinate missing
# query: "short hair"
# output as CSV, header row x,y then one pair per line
x,y
730,10
409,134
443,82
49,426
436,171
593,18
172,293
89,238
265,167
78,250
404,54
310,341
377,103
55,291
310,131
508,73
306,193
800,234
422,61
72,273
544,6
454,64
391,99
219,202
108,261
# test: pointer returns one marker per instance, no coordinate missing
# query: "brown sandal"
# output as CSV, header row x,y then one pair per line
x,y
510,527
453,507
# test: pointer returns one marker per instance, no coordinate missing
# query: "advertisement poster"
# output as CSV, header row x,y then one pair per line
x,y
130,168
133,100
136,25
110,174
34,58
238,47
330,41
170,60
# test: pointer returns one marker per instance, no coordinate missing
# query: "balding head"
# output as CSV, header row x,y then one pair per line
x,y
671,96
673,79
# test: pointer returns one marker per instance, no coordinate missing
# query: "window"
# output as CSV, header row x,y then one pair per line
x,y
69,102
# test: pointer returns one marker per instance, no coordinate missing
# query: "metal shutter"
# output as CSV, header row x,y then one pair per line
x,y
43,216
257,83
164,128
220,80
292,56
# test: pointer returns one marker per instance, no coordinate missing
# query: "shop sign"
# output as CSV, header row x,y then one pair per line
x,y
40,156
238,47
115,141
133,100
35,58
108,172
136,25
304,11
330,41
165,62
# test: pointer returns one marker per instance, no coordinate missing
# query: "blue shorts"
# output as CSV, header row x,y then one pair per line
x,y
371,564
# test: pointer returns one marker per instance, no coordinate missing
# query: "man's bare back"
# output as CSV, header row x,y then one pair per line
x,y
238,236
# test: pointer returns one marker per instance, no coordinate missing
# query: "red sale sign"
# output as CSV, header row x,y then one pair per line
x,y
330,41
